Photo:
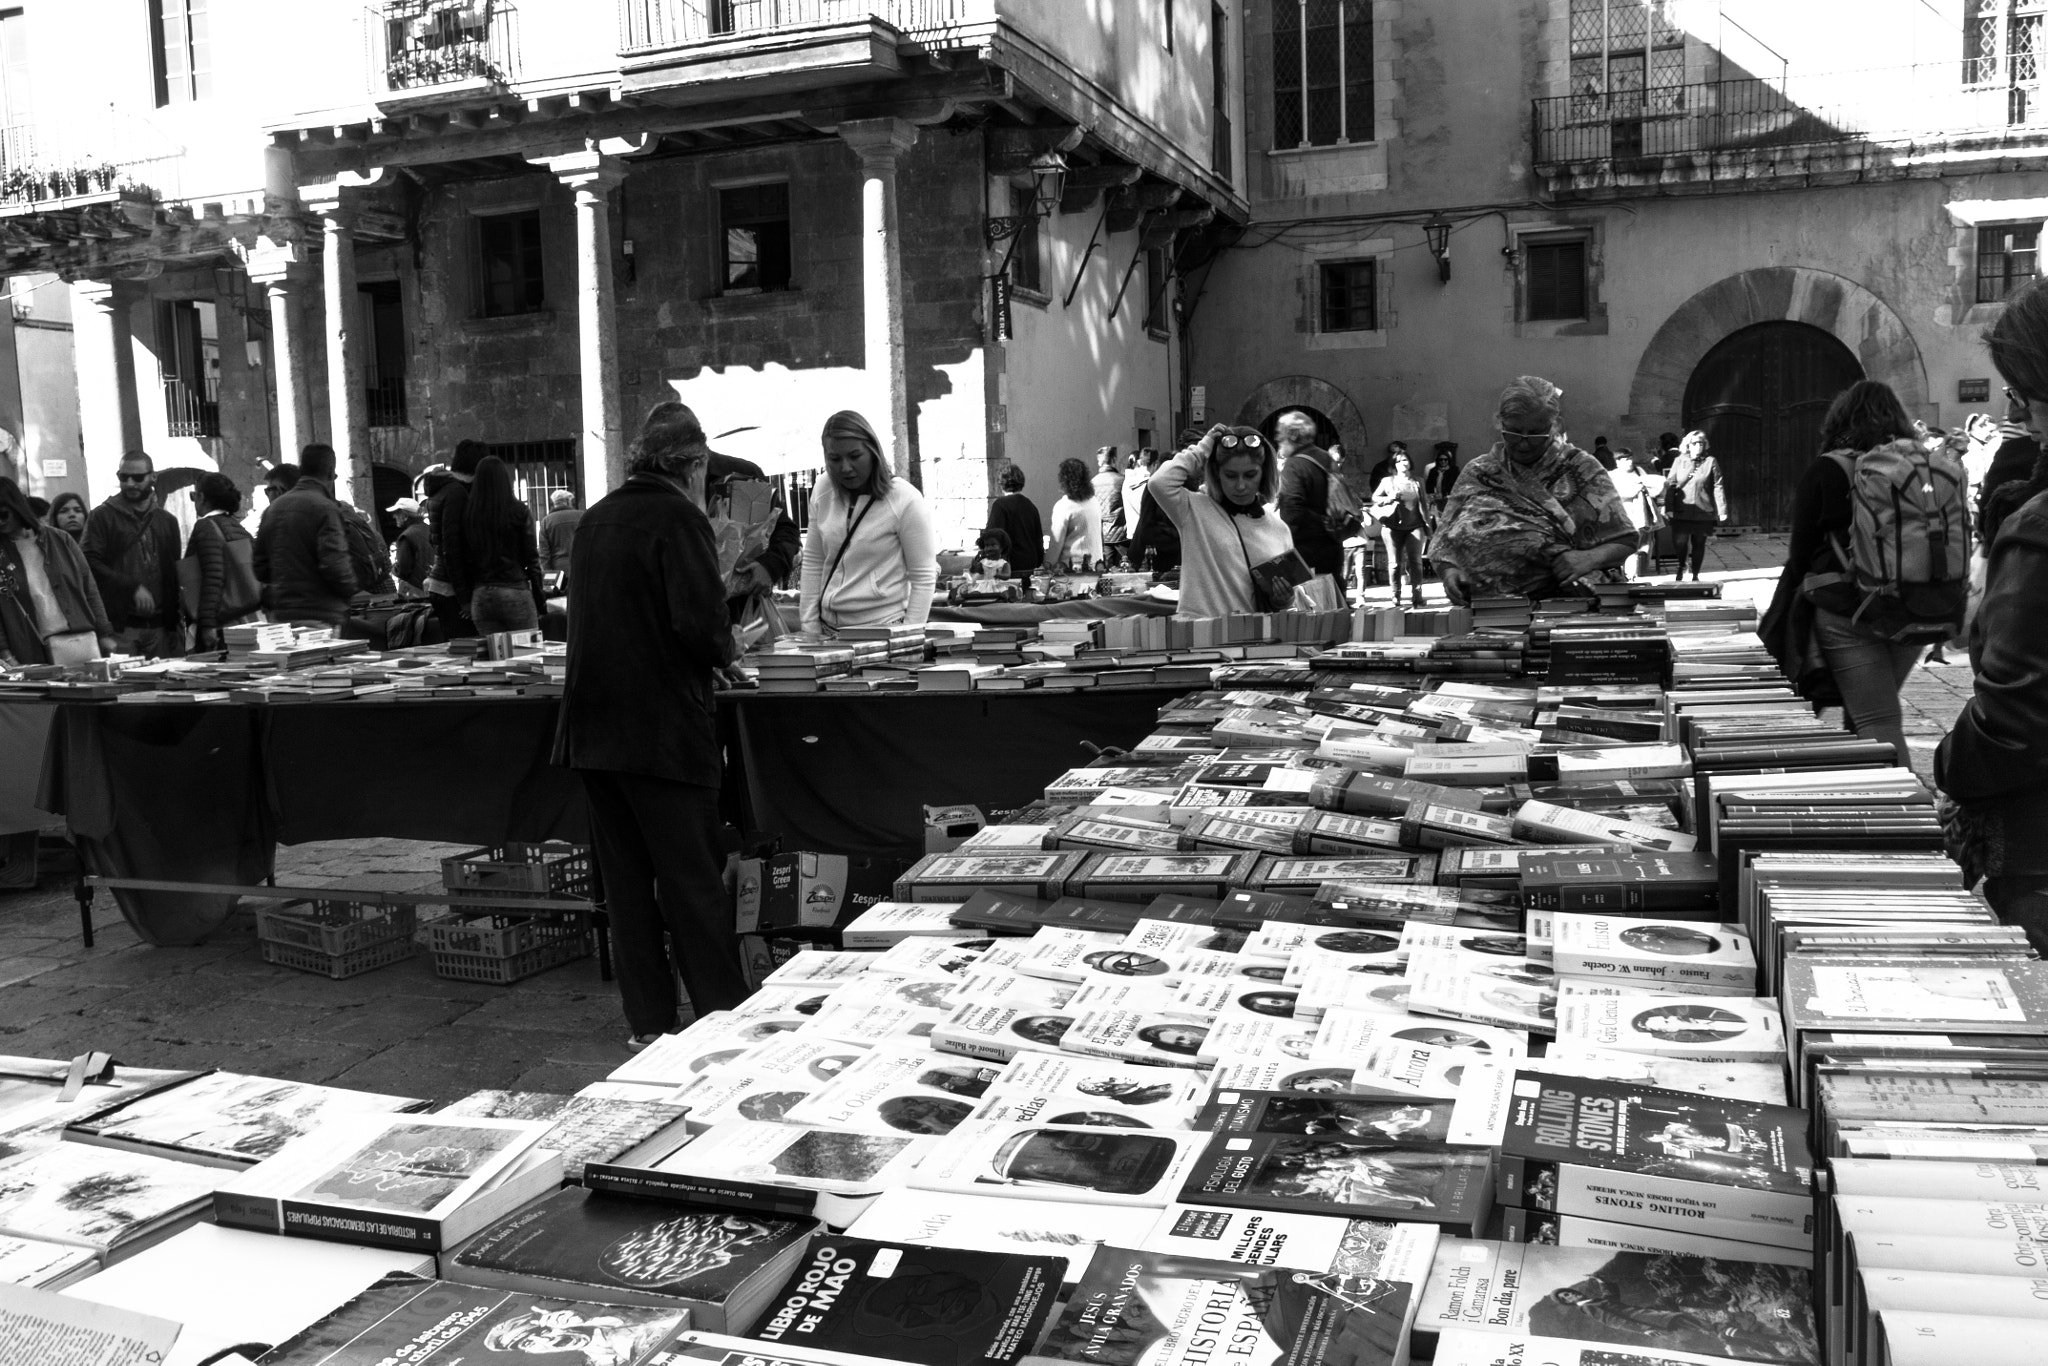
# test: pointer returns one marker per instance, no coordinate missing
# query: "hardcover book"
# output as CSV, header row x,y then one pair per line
x,y
42,1264
758,1166
1138,1308
1466,1347
583,1129
1451,1187
906,1302
94,1198
435,1323
1576,1145
1744,1311
1044,1228
719,1264
1060,1162
225,1119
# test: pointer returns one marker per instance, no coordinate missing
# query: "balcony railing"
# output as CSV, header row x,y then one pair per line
x,y
650,25
192,408
421,44
1890,106
91,156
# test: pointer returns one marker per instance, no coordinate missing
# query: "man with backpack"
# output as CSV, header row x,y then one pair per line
x,y
1879,564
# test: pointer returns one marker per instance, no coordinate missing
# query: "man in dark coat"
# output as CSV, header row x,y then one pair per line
x,y
412,554
131,544
1305,494
648,631
302,553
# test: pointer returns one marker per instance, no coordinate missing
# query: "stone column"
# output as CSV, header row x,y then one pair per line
x,y
348,416
880,143
593,175
283,279
103,350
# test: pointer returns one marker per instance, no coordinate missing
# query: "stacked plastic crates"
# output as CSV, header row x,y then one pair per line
x,y
335,938
494,943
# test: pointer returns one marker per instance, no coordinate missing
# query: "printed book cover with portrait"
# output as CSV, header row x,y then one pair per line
x,y
932,1306
437,1323
1138,1308
622,1250
1324,1174
1746,1311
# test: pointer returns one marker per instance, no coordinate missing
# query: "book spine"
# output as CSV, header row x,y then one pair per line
x,y
1782,1218
259,1212
694,1190
342,1225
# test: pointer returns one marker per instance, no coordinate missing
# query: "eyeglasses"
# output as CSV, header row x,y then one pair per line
x,y
2014,396
133,478
1233,439
1525,438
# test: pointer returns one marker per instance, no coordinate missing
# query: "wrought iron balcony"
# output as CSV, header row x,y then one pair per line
x,y
424,45
651,25
1739,129
40,166
192,407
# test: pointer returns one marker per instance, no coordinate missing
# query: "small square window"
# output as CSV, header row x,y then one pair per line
x,y
2008,255
1025,271
1350,296
754,220
508,257
1556,276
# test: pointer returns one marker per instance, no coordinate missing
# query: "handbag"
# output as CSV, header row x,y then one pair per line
x,y
240,594
72,647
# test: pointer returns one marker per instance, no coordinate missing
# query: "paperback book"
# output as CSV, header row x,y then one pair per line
x,y
225,1119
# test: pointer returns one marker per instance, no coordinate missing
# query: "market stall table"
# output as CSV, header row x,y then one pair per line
x,y
204,792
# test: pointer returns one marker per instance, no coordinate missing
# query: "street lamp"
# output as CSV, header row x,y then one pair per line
x,y
1438,233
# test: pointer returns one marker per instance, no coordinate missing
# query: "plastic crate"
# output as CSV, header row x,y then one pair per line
x,y
334,927
499,935
381,954
543,943
518,870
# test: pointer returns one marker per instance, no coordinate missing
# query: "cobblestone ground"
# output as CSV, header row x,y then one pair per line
x,y
401,1029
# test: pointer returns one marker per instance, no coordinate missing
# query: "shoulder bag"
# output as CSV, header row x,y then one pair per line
x,y
1274,580
852,526
240,594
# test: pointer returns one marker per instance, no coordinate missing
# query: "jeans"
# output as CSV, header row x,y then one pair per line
x,y
503,607
1690,540
661,853
1869,674
2022,901
151,642
1404,554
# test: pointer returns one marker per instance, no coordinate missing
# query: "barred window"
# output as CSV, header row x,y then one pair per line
x,y
1628,59
1322,72
1350,296
2008,255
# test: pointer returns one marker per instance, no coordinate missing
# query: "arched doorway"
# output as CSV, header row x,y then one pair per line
x,y
1759,395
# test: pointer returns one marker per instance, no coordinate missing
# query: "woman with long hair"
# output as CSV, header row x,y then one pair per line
x,y
500,552
870,557
67,514
1231,537
48,598
1993,765
1825,653
228,591
1076,531
1397,506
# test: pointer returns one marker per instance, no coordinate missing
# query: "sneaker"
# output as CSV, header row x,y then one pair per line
x,y
636,1042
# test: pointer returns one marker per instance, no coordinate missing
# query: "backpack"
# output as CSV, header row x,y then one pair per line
x,y
1904,572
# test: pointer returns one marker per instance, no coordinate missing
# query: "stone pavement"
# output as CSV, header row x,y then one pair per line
x,y
401,1029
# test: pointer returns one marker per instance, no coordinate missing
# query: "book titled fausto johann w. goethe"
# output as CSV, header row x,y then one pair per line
x,y
1672,951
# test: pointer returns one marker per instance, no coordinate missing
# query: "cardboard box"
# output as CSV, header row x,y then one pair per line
x,y
946,826
802,890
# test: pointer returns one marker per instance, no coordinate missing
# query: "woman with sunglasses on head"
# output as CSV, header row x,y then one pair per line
x,y
1992,768
1227,527
1533,515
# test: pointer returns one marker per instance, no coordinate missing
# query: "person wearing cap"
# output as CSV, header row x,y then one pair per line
x,y
870,557
1533,515
648,637
1226,527
558,529
412,558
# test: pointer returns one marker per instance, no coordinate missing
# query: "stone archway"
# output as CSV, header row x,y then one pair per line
x,y
1306,391
1874,333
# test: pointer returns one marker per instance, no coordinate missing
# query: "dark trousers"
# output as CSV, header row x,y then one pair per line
x,y
1689,539
448,611
661,852
2021,900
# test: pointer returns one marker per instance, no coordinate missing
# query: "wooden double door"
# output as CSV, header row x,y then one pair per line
x,y
1760,395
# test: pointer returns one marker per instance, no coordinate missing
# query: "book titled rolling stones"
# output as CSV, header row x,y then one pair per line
x,y
932,1306
1667,1159
1147,1308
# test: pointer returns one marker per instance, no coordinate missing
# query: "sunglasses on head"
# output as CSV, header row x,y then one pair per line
x,y
1233,439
